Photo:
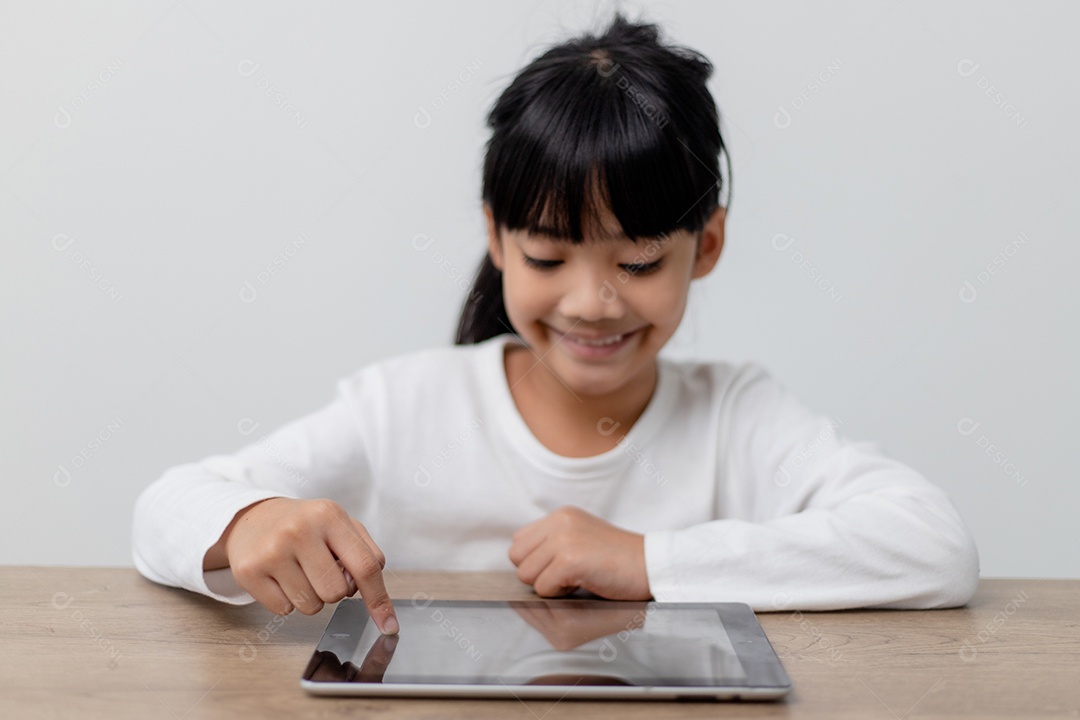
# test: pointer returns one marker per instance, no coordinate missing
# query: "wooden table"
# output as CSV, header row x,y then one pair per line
x,y
104,642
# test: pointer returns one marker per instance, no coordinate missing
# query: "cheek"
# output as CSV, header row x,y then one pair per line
x,y
667,301
523,295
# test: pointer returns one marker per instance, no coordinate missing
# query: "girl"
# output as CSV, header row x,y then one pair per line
x,y
552,437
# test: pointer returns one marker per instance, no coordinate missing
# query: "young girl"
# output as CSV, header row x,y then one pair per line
x,y
552,438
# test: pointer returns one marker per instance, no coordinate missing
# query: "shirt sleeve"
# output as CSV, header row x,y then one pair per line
x,y
811,520
181,515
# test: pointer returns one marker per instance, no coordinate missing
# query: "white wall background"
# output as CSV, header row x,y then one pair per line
x,y
914,154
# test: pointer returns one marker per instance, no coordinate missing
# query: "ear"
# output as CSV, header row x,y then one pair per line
x,y
494,242
710,243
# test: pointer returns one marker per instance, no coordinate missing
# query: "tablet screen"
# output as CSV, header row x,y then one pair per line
x,y
534,642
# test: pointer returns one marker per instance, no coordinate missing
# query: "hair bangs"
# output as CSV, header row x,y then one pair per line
x,y
588,142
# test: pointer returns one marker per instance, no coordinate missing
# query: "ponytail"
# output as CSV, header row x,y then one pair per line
x,y
484,314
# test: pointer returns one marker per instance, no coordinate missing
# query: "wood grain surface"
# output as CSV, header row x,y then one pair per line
x,y
107,643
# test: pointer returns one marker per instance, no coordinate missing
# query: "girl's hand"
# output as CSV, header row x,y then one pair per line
x,y
570,549
568,627
304,553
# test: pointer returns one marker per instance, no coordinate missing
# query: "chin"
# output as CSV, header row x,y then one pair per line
x,y
592,381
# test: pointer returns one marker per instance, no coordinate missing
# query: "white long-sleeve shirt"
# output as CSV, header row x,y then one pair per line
x,y
741,493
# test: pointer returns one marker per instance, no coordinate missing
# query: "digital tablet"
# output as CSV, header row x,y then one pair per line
x,y
564,648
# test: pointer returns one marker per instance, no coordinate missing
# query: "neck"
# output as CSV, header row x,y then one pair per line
x,y
610,414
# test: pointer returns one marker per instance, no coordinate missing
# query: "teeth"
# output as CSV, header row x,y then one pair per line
x,y
599,343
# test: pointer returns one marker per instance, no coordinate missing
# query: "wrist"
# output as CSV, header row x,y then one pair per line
x,y
217,557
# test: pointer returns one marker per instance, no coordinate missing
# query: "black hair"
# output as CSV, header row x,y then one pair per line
x,y
617,121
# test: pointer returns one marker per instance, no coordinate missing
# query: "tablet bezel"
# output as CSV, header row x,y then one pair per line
x,y
765,679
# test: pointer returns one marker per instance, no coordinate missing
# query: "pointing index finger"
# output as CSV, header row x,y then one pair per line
x,y
353,547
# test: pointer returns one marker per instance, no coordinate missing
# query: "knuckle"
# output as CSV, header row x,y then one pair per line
x,y
360,532
278,546
381,604
307,603
266,600
333,589
311,608
245,571
369,566
323,511
276,605
290,531
567,516
570,561
544,589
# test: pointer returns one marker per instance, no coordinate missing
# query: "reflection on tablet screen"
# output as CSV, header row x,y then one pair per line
x,y
521,643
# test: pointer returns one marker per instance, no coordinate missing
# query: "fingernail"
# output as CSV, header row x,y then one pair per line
x,y
390,626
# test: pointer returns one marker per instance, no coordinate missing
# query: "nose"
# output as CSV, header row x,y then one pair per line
x,y
592,296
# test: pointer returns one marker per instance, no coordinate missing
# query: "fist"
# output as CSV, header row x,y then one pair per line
x,y
570,549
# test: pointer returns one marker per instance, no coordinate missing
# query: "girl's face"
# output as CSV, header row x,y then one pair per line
x,y
568,302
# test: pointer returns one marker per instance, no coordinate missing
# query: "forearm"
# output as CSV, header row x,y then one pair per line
x,y
882,549
179,518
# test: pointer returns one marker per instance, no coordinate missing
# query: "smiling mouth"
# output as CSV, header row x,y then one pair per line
x,y
596,342
610,340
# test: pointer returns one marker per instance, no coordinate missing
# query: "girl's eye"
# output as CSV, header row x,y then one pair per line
x,y
642,268
540,264
634,269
